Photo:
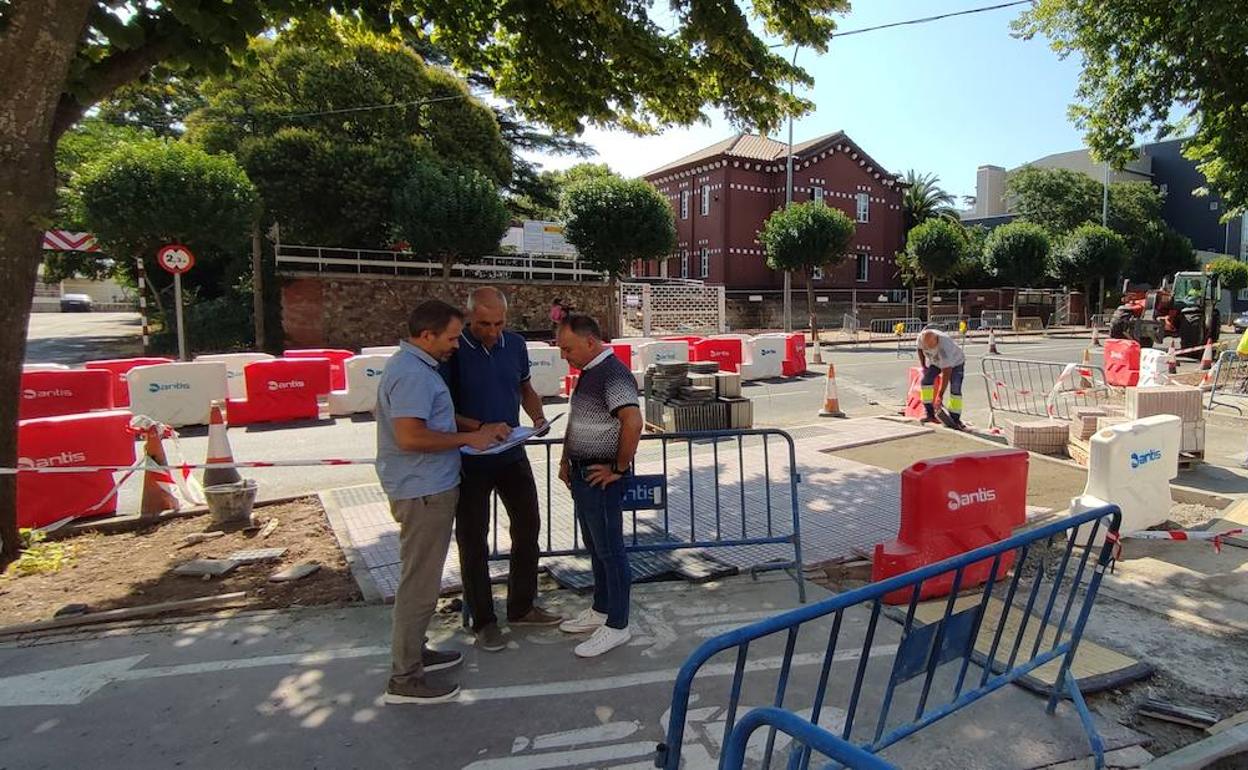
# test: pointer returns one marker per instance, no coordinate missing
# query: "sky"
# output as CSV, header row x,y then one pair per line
x,y
943,97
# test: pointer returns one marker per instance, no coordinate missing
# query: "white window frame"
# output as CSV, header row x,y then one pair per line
x,y
684,263
862,271
816,194
864,207
706,199
706,262
817,273
684,204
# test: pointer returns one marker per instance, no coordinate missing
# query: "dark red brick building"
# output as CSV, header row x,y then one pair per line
x,y
721,196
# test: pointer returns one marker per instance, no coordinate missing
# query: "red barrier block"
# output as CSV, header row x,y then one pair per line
x,y
337,362
281,390
914,394
725,352
949,506
119,367
794,355
1122,363
97,438
624,352
67,391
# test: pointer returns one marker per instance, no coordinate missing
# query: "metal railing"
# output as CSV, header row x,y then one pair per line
x,y
996,319
1043,388
849,326
698,490
948,323
888,326
1230,381
1046,613
521,267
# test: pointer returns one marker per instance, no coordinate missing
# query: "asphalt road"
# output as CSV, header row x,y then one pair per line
x,y
871,380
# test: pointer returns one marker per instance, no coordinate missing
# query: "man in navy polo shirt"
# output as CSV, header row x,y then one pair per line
x,y
489,381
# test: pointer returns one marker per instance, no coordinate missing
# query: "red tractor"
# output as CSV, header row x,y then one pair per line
x,y
1186,308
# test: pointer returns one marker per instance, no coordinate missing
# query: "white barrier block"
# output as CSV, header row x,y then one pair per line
x,y
1153,368
1131,465
380,350
660,352
177,394
363,376
236,384
765,356
538,344
44,367
546,371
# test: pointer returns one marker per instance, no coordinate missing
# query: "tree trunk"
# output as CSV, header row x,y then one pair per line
x,y
931,288
810,311
257,287
35,51
612,325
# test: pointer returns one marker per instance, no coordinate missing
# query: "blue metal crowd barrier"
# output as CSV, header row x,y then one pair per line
x,y
808,735
919,652
700,490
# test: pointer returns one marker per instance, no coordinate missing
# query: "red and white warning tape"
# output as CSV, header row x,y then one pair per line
x,y
1172,535
254,464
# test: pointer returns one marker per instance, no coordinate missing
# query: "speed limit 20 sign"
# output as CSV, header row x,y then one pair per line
x,y
175,258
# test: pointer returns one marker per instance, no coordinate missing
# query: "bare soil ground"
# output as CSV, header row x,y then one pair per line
x,y
110,571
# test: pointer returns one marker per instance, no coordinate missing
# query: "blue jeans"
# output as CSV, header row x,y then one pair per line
x,y
601,517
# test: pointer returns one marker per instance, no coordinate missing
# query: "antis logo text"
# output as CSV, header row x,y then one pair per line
x,y
1142,458
64,458
157,387
287,385
31,393
962,499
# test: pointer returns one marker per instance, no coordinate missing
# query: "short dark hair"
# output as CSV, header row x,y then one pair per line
x,y
582,326
432,315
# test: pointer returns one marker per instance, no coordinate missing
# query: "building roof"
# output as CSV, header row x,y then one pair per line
x,y
755,147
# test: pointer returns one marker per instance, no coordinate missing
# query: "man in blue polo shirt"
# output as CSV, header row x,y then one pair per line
x,y
489,380
418,465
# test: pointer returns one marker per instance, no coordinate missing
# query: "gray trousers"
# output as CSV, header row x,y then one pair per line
x,y
425,525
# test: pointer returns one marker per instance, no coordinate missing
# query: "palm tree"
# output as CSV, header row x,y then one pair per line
x,y
924,199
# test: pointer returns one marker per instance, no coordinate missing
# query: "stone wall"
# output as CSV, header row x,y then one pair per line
x,y
349,312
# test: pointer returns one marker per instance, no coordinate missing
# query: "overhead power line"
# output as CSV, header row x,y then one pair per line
x,y
927,19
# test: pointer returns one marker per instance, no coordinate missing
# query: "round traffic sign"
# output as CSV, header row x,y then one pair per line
x,y
175,258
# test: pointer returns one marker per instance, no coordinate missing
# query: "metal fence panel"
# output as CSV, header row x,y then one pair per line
x,y
1043,388
888,326
948,323
695,490
1230,382
1047,601
656,309
996,319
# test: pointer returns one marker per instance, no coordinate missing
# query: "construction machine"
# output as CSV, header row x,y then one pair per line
x,y
1185,307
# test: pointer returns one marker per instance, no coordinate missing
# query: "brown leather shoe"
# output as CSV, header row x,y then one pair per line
x,y
490,639
436,660
537,616
419,691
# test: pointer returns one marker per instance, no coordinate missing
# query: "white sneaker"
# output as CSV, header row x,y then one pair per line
x,y
604,639
588,620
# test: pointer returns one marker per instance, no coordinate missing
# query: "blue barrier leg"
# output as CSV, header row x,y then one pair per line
x,y
1085,716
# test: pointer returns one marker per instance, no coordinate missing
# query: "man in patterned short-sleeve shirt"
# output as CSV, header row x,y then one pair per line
x,y
604,427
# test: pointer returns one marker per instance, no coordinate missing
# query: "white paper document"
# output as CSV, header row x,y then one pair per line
x,y
519,435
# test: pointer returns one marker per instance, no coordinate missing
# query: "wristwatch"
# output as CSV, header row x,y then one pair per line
x,y
617,471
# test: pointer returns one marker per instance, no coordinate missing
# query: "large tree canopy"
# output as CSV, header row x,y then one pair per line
x,y
1143,57
624,62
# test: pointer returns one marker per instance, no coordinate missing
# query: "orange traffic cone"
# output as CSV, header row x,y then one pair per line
x,y
219,451
831,404
158,485
1096,337
1206,358
992,343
